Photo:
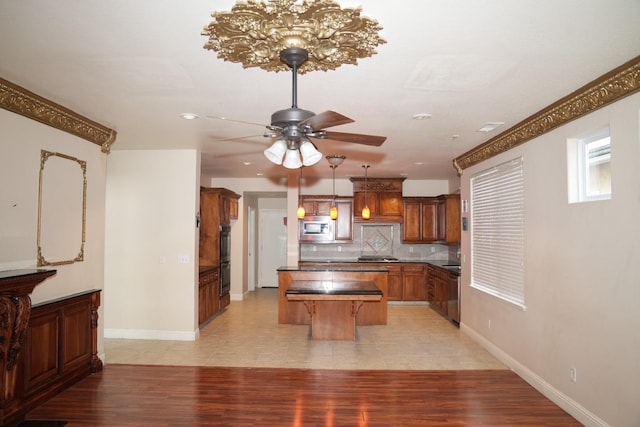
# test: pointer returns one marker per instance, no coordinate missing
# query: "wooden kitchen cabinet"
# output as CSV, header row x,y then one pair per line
x,y
448,219
414,286
208,294
441,290
430,278
218,206
394,281
321,205
420,220
383,196
344,223
316,205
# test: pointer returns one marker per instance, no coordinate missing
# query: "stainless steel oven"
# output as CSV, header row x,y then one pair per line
x,y
317,229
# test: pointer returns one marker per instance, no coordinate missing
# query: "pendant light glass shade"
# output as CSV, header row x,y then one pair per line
x,y
292,160
366,213
275,153
334,160
310,156
333,212
301,211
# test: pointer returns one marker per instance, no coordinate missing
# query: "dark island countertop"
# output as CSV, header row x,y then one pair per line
x,y
328,267
330,287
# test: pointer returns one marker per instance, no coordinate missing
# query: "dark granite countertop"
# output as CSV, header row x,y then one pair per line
x,y
326,287
365,267
451,265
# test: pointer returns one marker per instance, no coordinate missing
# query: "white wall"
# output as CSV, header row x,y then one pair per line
x,y
151,204
21,140
582,291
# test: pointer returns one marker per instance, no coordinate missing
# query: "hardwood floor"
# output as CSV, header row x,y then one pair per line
x,y
135,395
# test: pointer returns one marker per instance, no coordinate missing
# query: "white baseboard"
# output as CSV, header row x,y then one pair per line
x,y
572,407
142,334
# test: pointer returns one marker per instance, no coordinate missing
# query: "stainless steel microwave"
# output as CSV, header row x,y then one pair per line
x,y
317,229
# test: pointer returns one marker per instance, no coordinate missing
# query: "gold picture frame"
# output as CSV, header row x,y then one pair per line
x,y
62,206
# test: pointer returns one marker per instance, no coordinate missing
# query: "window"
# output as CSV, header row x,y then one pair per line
x,y
497,231
589,167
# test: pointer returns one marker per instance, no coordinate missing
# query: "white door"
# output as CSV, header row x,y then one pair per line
x,y
273,246
251,244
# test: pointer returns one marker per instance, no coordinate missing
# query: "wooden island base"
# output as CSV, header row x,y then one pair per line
x,y
333,307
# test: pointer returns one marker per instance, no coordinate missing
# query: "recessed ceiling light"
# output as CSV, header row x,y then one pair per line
x,y
189,116
455,136
489,126
421,116
259,174
419,163
404,174
247,163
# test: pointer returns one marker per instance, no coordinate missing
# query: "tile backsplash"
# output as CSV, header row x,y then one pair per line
x,y
376,239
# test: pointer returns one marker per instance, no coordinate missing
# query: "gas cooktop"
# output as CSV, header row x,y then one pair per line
x,y
377,258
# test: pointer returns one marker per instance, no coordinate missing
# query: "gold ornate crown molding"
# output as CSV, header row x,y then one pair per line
x,y
254,33
21,101
610,87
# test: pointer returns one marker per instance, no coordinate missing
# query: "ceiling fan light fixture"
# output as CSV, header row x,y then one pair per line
x,y
310,156
292,160
276,152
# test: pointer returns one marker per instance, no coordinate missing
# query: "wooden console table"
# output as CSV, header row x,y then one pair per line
x,y
15,309
333,306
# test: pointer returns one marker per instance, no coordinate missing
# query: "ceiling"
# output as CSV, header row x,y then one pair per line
x,y
135,66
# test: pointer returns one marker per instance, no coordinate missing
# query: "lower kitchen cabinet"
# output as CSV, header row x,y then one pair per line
x,y
208,294
394,281
441,289
413,282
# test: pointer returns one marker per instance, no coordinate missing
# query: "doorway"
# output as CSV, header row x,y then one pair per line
x,y
272,246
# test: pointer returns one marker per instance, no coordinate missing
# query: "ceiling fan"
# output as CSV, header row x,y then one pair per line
x,y
294,126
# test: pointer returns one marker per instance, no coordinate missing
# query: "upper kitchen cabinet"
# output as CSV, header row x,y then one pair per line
x,y
229,206
315,205
218,206
449,219
382,195
420,220
344,222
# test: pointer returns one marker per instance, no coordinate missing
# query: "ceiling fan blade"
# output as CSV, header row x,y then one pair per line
x,y
236,138
357,138
326,119
236,121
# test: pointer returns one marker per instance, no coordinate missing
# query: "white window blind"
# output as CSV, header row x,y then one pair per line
x,y
497,231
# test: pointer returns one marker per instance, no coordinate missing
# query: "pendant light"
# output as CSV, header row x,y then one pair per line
x,y
334,160
301,211
366,214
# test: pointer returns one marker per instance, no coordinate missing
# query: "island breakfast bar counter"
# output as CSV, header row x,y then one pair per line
x,y
333,306
372,312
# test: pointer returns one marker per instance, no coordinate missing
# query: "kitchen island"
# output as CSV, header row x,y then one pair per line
x,y
333,306
295,312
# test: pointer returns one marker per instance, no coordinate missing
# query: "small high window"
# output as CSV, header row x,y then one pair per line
x,y
589,167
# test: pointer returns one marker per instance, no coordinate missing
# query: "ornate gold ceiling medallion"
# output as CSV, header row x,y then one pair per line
x,y
254,33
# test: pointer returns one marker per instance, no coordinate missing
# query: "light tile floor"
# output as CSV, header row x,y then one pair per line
x,y
248,334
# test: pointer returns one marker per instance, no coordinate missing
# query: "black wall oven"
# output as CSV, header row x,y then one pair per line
x,y
225,260
225,278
